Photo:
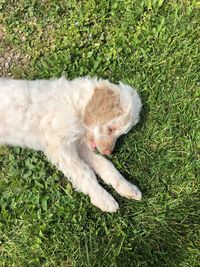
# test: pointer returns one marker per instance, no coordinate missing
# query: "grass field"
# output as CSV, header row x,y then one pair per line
x,y
154,46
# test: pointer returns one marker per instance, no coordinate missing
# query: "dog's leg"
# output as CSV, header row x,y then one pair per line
x,y
81,175
106,170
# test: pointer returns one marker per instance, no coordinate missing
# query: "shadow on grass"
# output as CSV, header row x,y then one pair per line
x,y
163,238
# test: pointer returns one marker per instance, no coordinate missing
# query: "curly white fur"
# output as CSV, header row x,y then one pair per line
x,y
48,115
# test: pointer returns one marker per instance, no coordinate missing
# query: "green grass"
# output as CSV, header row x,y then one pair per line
x,y
152,45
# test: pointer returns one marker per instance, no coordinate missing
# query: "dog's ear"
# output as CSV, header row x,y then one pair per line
x,y
103,106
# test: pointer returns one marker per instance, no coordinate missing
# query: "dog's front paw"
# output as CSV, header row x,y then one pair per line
x,y
129,190
105,202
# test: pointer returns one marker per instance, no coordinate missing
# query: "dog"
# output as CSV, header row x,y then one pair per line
x,y
71,120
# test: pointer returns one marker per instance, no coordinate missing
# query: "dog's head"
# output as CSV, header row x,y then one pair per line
x,y
112,111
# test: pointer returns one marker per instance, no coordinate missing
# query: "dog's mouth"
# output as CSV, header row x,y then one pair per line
x,y
93,146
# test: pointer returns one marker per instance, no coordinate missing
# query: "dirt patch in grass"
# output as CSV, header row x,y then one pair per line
x,y
10,57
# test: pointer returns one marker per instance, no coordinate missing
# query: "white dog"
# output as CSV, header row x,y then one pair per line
x,y
68,121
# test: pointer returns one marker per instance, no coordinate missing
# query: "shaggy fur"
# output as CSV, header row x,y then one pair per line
x,y
68,121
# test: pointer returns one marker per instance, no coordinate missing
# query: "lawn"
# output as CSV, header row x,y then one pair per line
x,y
154,46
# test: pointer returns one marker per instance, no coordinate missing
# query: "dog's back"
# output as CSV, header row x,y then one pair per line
x,y
20,108
31,111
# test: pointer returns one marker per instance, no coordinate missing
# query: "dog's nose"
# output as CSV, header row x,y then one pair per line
x,y
107,152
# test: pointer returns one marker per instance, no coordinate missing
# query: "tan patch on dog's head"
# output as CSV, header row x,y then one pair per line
x,y
103,106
